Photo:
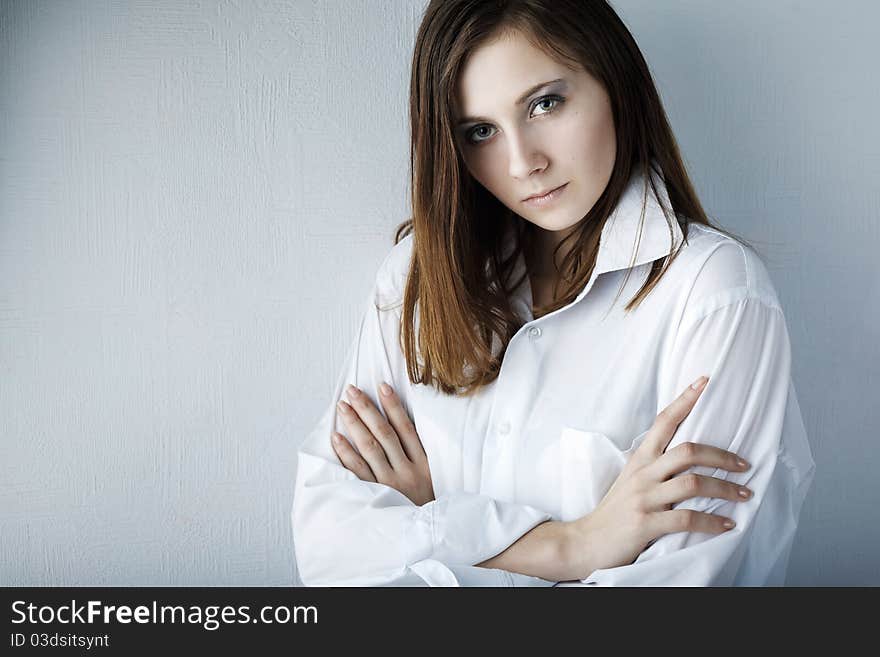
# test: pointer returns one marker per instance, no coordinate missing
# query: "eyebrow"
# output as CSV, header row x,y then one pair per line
x,y
519,101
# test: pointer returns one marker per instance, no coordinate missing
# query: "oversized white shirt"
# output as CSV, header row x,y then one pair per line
x,y
577,391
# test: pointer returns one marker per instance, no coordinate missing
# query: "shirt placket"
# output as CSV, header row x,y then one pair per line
x,y
516,388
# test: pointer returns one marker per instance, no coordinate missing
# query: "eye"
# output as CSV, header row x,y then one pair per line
x,y
553,101
473,132
556,100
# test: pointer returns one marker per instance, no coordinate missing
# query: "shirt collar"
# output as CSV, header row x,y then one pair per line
x,y
621,232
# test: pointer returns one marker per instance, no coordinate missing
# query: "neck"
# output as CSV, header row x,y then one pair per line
x,y
539,254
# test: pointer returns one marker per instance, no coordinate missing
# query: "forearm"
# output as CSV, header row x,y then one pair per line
x,y
347,529
540,552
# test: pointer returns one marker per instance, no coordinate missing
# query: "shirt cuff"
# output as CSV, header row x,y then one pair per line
x,y
469,528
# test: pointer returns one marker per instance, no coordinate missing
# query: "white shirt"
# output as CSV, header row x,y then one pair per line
x,y
577,391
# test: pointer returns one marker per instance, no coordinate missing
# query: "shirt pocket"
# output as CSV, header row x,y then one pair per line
x,y
588,463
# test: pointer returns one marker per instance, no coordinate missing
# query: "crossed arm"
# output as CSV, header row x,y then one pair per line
x,y
637,509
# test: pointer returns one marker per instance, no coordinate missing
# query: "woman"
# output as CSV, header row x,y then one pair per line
x,y
530,344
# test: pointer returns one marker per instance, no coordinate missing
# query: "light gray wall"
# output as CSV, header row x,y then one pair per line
x,y
194,197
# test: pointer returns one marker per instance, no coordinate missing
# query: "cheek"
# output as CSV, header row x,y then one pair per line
x,y
484,168
589,140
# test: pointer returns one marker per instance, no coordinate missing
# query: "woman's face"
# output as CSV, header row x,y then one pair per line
x,y
560,134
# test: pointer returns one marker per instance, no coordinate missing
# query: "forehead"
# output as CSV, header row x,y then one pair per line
x,y
497,72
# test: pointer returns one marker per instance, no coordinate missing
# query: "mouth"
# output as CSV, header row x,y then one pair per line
x,y
545,198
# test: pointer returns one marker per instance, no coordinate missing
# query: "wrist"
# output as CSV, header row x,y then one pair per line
x,y
537,553
574,549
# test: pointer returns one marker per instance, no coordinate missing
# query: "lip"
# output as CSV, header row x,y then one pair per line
x,y
549,197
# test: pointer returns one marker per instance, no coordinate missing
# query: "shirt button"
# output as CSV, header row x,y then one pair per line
x,y
534,332
504,428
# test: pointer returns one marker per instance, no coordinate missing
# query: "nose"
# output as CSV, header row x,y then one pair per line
x,y
524,157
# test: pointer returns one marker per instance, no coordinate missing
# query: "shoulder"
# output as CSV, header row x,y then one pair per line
x,y
716,270
392,274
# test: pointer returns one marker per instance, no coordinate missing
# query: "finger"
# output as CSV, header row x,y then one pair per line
x,y
686,455
402,424
370,449
687,520
691,485
376,423
350,458
668,419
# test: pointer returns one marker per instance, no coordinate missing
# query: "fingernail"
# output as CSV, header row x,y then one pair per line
x,y
386,389
700,383
729,523
352,391
742,463
343,407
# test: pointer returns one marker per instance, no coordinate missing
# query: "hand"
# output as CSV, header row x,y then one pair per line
x,y
390,454
638,507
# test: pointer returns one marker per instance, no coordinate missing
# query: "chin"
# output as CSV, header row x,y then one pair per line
x,y
548,223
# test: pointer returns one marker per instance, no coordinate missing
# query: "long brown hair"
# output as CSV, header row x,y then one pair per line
x,y
458,276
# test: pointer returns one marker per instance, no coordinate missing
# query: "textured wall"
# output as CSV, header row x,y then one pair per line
x,y
194,197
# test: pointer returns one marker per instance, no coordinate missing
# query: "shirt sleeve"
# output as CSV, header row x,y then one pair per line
x,y
348,532
748,407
